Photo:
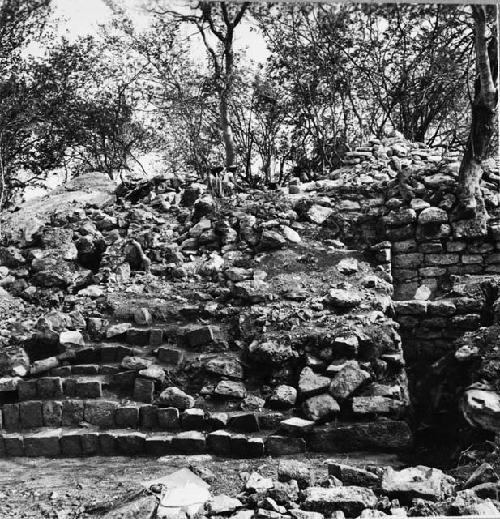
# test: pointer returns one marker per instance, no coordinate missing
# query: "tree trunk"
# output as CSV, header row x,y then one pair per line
x,y
227,131
483,116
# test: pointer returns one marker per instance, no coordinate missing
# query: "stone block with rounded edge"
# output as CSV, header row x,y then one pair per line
x,y
30,414
189,442
72,412
100,413
90,443
127,416
193,418
88,389
71,444
148,418
219,442
168,418
10,417
277,445
27,390
108,444
143,390
13,444
49,387
131,443
44,444
52,413
158,445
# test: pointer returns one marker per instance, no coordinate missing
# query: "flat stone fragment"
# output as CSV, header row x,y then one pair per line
x,y
223,504
9,383
183,493
416,482
295,470
230,389
350,475
351,500
297,426
277,445
376,405
383,435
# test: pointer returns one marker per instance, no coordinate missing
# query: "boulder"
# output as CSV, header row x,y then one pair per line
x,y
318,214
175,397
416,482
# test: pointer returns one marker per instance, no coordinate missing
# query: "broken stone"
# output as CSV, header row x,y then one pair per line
x,y
318,214
311,384
295,470
230,389
343,299
223,504
347,380
283,397
296,426
351,500
320,407
175,397
350,475
347,266
416,482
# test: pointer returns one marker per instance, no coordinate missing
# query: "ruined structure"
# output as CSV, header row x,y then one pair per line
x,y
158,319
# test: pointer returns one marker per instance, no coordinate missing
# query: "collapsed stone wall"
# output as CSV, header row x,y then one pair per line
x,y
267,313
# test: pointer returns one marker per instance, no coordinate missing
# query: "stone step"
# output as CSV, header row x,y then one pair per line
x,y
381,437
120,413
75,442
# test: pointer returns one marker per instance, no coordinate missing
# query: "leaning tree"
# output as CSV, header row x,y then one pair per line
x,y
484,109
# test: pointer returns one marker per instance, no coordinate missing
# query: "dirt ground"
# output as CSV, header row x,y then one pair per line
x,y
88,487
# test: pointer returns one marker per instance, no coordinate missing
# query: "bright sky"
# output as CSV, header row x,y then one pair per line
x,y
82,17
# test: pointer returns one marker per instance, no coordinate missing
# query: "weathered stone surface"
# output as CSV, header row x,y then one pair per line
x,y
347,380
225,366
230,389
296,426
271,351
175,397
351,500
295,470
311,383
481,408
342,299
432,215
189,442
350,475
320,407
281,445
318,214
385,436
416,482
376,404
100,413
283,397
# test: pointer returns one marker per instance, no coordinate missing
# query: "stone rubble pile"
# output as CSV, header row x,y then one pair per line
x,y
298,492
193,323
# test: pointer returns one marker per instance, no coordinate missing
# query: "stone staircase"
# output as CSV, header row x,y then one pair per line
x,y
124,386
